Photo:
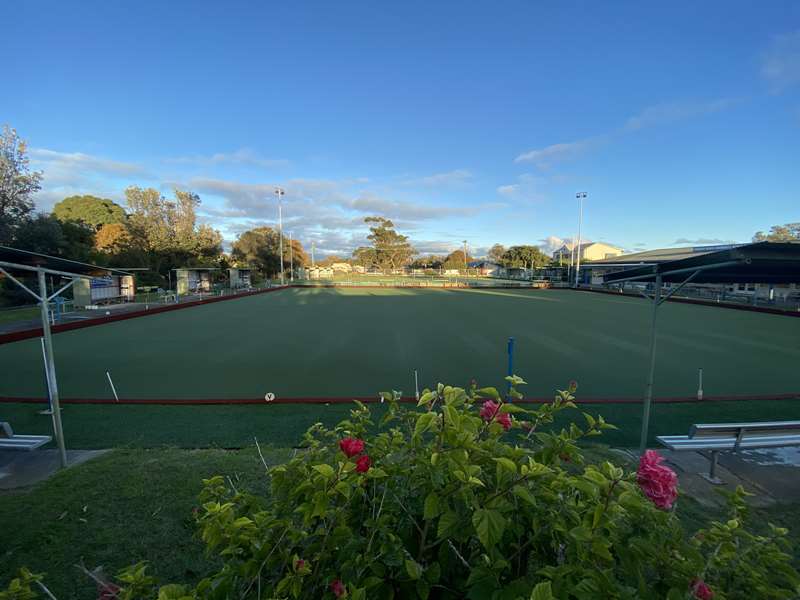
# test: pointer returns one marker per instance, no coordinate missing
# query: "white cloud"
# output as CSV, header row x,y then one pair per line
x,y
780,64
243,156
669,112
545,157
527,188
71,173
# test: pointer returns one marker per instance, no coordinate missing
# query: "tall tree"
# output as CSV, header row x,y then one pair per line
x,y
526,257
112,239
456,260
779,233
17,184
496,252
392,250
365,256
259,248
90,210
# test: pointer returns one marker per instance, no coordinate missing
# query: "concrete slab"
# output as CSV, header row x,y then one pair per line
x,y
20,469
772,475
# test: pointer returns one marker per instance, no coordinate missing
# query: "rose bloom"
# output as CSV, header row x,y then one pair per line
x,y
363,464
351,446
491,412
700,590
338,589
658,482
299,564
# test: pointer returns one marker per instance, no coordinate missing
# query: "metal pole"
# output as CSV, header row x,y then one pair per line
x,y
291,258
51,370
648,394
580,196
312,255
279,192
465,258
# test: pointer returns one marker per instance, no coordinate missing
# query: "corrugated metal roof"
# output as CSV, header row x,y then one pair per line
x,y
662,255
52,263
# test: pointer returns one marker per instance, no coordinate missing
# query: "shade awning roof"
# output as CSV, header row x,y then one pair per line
x,y
14,260
762,262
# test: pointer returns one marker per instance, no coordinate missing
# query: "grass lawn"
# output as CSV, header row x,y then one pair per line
x,y
144,426
131,505
12,315
118,509
346,342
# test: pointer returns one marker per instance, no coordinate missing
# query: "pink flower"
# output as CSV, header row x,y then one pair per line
x,y
573,386
363,464
338,589
700,590
299,564
491,412
658,482
351,446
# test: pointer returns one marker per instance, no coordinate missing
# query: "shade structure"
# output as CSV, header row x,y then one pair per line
x,y
761,262
13,264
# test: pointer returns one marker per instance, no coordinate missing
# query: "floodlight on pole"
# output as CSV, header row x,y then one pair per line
x,y
279,192
466,266
581,196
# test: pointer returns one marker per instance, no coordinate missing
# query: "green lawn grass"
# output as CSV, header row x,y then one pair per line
x,y
118,509
146,426
357,342
12,315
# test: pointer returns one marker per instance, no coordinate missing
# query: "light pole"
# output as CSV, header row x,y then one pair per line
x,y
312,254
580,196
279,192
291,259
466,266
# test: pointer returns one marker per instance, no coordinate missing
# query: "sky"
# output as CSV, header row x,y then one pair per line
x,y
474,121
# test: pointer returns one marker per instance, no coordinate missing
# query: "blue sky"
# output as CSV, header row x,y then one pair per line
x,y
460,120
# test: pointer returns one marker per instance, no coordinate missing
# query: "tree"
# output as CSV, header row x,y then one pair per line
x,y
42,234
112,238
392,250
526,257
259,248
329,260
428,262
365,256
17,184
779,233
456,260
90,210
496,252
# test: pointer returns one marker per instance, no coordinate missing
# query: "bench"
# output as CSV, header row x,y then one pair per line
x,y
732,437
10,441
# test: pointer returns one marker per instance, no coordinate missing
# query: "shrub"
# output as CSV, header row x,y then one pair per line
x,y
469,496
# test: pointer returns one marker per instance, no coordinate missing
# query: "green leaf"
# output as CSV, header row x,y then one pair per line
x,y
598,514
431,509
376,473
512,408
488,391
542,591
425,398
476,481
447,522
413,569
490,525
424,422
524,494
324,470
506,463
581,533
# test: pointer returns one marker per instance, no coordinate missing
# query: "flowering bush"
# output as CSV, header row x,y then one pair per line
x,y
469,496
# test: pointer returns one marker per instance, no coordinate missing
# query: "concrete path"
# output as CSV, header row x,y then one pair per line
x,y
20,469
772,475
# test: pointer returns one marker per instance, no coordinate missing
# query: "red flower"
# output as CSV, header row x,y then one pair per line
x,y
363,464
299,564
351,446
573,386
338,589
700,590
658,482
491,412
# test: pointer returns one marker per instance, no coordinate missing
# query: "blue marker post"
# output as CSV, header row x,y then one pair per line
x,y
510,366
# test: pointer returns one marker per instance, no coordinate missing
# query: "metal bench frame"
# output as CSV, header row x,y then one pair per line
x,y
733,437
10,441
